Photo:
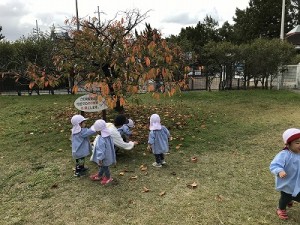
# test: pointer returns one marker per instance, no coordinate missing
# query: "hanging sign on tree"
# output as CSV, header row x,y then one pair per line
x,y
90,103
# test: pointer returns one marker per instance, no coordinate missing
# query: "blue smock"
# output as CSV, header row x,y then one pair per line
x,y
287,161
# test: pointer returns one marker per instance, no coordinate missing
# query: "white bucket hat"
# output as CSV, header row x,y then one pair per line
x,y
290,135
130,123
155,122
100,125
76,120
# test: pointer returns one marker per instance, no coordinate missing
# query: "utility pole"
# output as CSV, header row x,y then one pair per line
x,y
77,19
36,30
98,16
99,12
282,20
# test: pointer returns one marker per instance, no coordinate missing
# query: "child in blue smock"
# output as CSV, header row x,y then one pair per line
x,y
125,130
104,153
158,140
81,146
286,168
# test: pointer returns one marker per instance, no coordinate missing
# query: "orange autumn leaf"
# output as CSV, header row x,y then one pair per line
x,y
132,59
117,85
192,185
88,85
104,88
172,92
133,177
99,97
164,72
151,46
145,189
168,59
108,100
128,88
157,71
75,89
162,193
151,74
143,167
32,83
150,88
134,89
147,61
194,159
111,103
122,101
156,95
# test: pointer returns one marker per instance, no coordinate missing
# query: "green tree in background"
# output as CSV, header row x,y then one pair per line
x,y
1,36
262,59
28,61
294,11
262,19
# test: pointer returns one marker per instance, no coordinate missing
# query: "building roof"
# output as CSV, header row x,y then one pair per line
x,y
293,36
295,30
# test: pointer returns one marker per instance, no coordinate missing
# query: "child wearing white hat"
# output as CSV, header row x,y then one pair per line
x,y
125,130
286,168
158,140
104,153
80,143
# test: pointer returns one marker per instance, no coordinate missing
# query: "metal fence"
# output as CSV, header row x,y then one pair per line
x,y
206,83
9,86
289,79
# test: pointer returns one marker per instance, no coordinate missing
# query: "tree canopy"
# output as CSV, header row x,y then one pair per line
x,y
111,59
262,19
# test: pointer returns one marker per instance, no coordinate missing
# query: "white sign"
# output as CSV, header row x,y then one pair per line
x,y
90,103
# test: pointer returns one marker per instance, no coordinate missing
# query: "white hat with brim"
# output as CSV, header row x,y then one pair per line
x,y
130,123
100,125
290,135
76,120
155,122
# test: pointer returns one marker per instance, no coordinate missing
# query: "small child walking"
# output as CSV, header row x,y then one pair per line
x,y
125,130
158,140
104,153
81,146
286,168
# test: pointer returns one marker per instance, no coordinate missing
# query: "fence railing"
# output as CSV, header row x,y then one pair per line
x,y
289,79
8,86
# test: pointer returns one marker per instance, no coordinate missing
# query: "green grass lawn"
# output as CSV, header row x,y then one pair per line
x,y
233,134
